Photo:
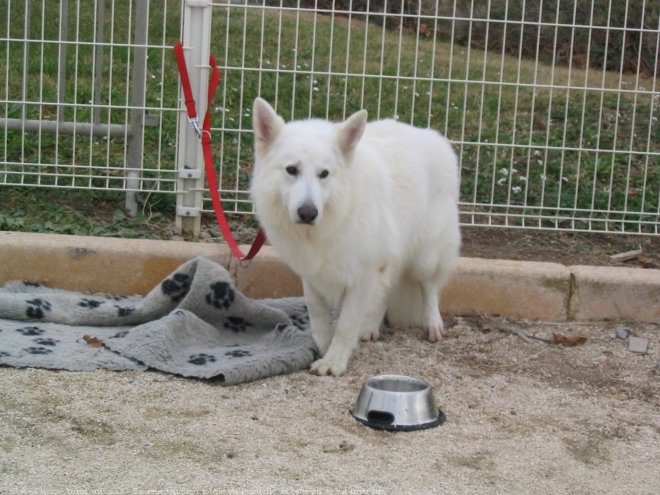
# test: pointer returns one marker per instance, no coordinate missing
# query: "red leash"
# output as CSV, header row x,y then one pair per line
x,y
205,135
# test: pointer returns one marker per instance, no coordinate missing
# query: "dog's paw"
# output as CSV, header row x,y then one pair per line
x,y
329,366
434,333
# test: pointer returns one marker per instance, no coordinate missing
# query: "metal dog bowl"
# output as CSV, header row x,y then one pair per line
x,y
393,402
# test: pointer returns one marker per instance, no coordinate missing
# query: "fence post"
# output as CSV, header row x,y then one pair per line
x,y
190,160
135,153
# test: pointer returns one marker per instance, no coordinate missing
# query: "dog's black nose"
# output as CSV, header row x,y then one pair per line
x,y
307,213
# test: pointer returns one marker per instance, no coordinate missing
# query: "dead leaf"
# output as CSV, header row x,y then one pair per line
x,y
93,341
647,262
569,341
486,327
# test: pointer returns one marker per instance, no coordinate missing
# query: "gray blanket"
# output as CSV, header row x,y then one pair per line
x,y
194,324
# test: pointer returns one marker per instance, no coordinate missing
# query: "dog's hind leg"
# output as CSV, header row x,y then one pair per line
x,y
371,332
404,308
432,268
431,318
415,303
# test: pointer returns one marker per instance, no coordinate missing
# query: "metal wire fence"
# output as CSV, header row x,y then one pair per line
x,y
552,106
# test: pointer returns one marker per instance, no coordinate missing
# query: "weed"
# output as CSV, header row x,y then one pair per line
x,y
96,213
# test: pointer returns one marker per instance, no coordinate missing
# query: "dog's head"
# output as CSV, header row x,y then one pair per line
x,y
301,167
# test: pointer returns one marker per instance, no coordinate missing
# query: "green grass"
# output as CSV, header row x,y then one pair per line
x,y
96,213
547,135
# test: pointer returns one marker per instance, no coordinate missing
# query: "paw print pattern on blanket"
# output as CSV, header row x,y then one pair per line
x,y
176,287
38,350
221,295
46,341
89,303
236,324
201,359
299,321
238,353
37,308
315,353
30,331
124,312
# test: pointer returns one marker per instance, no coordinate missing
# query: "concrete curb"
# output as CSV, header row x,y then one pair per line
x,y
521,289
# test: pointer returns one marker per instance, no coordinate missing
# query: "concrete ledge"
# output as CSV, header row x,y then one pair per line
x,y
265,276
543,291
96,264
611,293
521,289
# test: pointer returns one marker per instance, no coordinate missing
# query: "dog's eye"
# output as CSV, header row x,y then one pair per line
x,y
324,174
292,170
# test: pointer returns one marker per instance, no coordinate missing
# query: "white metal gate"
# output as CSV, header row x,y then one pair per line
x,y
86,101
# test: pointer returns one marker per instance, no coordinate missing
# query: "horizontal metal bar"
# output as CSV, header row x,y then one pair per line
x,y
69,187
55,127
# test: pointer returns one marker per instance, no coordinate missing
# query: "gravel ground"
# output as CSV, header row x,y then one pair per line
x,y
524,416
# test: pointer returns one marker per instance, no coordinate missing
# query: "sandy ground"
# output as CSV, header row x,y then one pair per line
x,y
524,416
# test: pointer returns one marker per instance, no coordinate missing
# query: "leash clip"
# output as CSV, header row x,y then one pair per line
x,y
195,123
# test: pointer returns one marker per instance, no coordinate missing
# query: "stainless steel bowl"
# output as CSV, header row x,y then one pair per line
x,y
393,402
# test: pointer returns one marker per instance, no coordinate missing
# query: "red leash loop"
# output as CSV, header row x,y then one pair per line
x,y
205,135
187,89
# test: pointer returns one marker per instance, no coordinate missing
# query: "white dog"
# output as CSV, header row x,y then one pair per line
x,y
366,214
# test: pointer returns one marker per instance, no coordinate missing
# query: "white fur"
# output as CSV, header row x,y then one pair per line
x,y
385,235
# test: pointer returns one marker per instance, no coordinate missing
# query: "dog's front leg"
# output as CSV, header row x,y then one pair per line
x,y
363,307
320,319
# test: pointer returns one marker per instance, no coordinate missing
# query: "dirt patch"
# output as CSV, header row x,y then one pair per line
x,y
560,247
524,416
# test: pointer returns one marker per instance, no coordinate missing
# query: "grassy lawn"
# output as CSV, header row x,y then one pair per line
x,y
73,212
531,138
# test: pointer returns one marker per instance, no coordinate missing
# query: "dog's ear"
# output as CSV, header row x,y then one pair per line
x,y
266,124
350,131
